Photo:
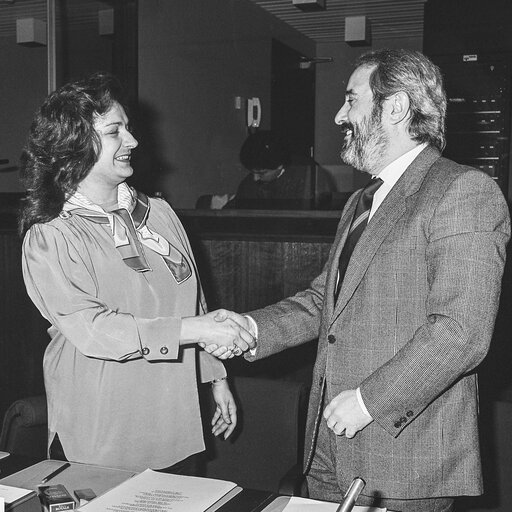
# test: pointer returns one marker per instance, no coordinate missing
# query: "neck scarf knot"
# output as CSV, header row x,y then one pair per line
x,y
130,231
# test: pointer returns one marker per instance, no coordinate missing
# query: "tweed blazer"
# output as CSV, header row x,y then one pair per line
x,y
413,319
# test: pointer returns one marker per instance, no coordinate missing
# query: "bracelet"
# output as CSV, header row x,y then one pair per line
x,y
214,381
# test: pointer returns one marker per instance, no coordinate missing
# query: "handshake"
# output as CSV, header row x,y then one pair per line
x,y
222,333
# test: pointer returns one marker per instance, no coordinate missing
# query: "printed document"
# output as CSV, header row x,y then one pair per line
x,y
151,491
297,504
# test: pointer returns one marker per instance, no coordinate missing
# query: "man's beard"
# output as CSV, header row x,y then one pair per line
x,y
364,148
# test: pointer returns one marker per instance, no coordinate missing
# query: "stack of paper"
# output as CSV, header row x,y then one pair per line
x,y
296,504
18,500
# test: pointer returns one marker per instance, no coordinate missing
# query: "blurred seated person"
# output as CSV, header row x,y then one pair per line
x,y
273,183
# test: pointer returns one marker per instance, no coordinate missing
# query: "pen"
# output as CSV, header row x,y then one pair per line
x,y
55,473
351,496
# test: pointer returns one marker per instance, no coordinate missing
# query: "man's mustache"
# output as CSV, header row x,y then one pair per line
x,y
346,126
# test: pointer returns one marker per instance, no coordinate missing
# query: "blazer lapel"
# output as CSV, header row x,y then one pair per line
x,y
339,241
382,222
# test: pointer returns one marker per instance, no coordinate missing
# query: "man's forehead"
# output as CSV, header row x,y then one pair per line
x,y
359,80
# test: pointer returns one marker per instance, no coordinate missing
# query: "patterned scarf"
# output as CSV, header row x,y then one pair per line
x,y
130,231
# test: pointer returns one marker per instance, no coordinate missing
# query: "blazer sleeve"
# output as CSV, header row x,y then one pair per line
x,y
62,288
290,322
467,236
297,319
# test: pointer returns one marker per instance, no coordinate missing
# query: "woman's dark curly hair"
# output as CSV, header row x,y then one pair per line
x,y
62,145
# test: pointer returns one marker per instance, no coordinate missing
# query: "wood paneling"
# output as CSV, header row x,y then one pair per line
x,y
249,274
250,271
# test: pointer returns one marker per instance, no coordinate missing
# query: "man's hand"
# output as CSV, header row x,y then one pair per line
x,y
344,414
225,352
217,332
224,420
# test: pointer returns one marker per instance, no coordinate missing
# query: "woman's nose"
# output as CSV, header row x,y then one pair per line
x,y
130,141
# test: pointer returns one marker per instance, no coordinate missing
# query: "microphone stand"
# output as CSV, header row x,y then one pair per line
x,y
349,500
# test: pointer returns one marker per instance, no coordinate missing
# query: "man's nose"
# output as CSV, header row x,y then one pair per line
x,y
341,116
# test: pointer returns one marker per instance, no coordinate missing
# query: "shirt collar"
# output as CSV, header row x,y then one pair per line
x,y
392,172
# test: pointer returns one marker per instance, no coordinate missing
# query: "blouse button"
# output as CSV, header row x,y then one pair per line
x,y
145,351
164,350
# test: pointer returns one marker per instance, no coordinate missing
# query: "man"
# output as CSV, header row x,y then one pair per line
x,y
394,392
273,182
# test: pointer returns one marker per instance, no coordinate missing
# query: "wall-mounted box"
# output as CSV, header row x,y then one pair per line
x,y
106,22
357,31
31,32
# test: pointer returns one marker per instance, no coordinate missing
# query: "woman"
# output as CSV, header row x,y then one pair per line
x,y
113,272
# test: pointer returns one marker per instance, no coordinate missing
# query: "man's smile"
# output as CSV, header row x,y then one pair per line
x,y
347,130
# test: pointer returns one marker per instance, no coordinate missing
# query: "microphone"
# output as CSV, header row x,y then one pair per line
x,y
349,500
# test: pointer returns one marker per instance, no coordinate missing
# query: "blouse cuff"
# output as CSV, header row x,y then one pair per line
x,y
159,338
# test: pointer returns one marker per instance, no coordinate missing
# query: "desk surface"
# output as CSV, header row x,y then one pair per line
x,y
250,500
76,476
14,463
101,479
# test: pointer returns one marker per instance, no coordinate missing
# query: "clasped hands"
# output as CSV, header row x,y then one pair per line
x,y
221,333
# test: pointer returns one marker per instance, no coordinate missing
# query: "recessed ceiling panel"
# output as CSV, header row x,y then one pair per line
x,y
388,18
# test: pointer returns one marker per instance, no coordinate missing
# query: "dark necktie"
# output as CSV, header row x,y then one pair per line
x,y
359,221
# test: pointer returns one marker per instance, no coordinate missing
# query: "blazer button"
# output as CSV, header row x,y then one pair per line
x,y
398,424
331,338
410,413
145,351
164,350
403,419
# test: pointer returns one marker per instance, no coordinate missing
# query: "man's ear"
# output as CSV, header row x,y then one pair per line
x,y
397,106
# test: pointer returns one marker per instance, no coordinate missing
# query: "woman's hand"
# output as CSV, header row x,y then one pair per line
x,y
224,420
